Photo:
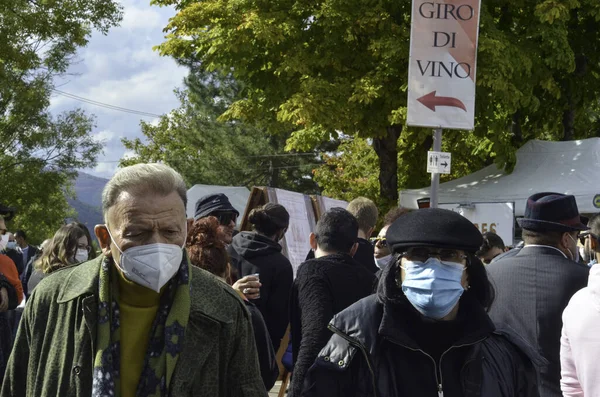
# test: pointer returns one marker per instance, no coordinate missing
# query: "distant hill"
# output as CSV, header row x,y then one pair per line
x,y
88,201
89,189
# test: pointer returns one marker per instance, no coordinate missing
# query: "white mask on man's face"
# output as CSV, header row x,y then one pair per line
x,y
3,241
151,265
384,261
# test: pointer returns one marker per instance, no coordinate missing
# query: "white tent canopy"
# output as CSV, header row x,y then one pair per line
x,y
565,167
238,196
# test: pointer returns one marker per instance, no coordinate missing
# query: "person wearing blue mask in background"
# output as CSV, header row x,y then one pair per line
x,y
426,331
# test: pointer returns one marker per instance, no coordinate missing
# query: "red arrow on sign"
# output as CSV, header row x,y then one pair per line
x,y
431,101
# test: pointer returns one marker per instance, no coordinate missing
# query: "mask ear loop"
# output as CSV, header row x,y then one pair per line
x,y
116,245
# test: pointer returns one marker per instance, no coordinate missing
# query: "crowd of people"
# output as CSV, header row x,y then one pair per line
x,y
170,306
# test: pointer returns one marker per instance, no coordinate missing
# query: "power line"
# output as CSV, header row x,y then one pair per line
x,y
105,105
243,157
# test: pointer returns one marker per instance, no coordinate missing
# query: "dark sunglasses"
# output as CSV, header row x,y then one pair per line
x,y
3,232
381,240
225,218
423,254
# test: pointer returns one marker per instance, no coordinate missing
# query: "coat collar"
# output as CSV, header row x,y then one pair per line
x,y
83,280
533,249
398,318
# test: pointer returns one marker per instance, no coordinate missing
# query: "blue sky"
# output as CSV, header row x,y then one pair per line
x,y
121,69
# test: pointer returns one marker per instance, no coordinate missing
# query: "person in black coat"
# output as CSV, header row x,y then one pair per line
x,y
535,285
206,250
426,331
29,251
323,287
259,252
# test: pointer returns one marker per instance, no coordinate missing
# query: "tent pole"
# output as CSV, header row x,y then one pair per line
x,y
435,178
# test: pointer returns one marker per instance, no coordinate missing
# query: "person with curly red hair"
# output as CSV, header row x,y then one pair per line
x,y
207,251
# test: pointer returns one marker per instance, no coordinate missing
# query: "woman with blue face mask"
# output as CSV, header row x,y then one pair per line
x,y
426,331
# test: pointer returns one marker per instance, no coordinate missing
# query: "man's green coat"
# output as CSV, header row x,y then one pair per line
x,y
54,349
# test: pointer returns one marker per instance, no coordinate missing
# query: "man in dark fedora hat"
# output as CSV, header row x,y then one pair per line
x,y
534,286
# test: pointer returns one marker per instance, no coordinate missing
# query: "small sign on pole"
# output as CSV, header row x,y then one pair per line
x,y
439,162
441,72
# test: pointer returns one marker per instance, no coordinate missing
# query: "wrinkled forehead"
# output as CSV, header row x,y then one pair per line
x,y
147,208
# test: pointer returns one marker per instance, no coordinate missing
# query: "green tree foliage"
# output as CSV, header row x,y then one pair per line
x,y
39,153
317,68
204,150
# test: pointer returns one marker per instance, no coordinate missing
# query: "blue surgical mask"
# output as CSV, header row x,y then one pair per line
x,y
433,287
11,245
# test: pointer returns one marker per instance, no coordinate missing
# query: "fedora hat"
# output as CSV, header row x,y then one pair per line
x,y
546,212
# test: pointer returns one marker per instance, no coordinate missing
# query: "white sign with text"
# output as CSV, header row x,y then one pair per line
x,y
498,218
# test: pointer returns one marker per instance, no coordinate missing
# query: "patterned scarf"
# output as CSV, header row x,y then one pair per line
x,y
166,340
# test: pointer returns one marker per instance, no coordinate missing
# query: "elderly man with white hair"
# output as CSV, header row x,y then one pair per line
x,y
138,320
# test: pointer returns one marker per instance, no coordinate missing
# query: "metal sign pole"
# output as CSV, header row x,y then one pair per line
x,y
435,177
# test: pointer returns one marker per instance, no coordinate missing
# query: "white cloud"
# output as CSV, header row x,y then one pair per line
x,y
104,135
121,69
141,18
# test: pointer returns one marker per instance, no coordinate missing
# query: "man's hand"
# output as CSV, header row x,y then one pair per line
x,y
3,300
249,286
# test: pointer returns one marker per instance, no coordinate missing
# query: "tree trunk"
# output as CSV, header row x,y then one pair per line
x,y
517,132
568,118
386,148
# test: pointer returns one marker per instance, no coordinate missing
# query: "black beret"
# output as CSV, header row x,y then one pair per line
x,y
433,227
213,203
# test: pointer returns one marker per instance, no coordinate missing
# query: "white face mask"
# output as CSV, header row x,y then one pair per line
x,y
3,241
81,256
11,245
384,261
152,265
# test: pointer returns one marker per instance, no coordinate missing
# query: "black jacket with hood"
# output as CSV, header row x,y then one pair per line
x,y
374,353
252,253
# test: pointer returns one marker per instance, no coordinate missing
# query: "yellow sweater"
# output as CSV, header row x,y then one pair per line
x,y
138,306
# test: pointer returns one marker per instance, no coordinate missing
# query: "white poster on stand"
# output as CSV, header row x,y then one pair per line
x,y
327,203
498,218
296,243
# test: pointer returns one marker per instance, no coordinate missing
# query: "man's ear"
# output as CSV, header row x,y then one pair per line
x,y
354,249
313,241
565,240
101,233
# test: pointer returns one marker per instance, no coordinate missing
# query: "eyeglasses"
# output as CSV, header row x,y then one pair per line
x,y
3,232
225,218
378,240
423,254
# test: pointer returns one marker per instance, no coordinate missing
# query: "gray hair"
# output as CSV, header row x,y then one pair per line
x,y
155,178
